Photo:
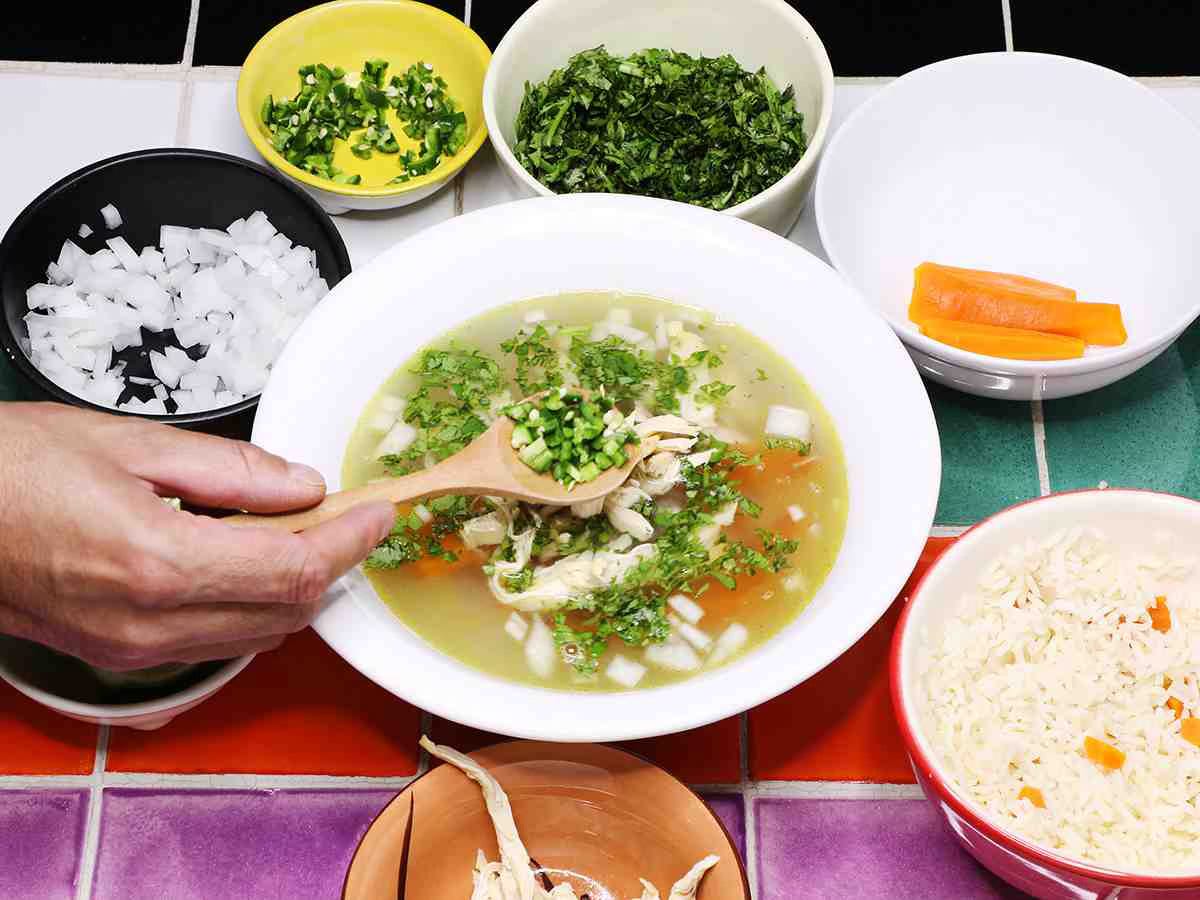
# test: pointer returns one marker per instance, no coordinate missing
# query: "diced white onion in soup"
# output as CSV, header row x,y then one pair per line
x,y
793,583
687,608
397,440
111,216
730,641
516,627
624,671
660,332
391,403
815,531
795,513
674,654
487,530
690,633
423,513
788,422
541,655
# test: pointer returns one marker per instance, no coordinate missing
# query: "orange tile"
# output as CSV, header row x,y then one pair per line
x,y
707,755
37,741
838,725
298,710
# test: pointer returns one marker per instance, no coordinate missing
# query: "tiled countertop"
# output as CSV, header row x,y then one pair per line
x,y
265,790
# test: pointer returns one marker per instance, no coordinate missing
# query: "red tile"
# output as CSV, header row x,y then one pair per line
x,y
707,755
298,710
838,725
36,741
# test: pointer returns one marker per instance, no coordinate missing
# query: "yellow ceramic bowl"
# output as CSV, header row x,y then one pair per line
x,y
346,33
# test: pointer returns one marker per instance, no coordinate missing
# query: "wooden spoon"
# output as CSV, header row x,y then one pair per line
x,y
488,465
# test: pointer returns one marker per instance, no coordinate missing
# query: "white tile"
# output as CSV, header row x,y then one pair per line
x,y
847,98
487,183
55,124
214,124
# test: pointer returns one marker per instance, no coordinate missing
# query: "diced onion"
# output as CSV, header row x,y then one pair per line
x,y
624,672
673,654
687,608
85,231
730,641
795,513
423,513
540,652
516,627
111,216
690,633
234,317
789,422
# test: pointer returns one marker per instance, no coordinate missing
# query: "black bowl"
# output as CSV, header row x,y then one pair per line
x,y
151,188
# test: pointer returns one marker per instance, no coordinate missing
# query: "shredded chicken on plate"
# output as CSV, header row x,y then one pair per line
x,y
512,878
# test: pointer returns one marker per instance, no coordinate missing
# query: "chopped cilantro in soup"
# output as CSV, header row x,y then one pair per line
x,y
716,542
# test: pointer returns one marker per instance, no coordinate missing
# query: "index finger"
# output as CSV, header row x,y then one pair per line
x,y
222,563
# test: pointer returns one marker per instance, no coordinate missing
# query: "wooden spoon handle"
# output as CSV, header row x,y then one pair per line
x,y
428,482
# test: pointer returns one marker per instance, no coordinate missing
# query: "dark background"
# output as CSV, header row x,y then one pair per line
x,y
864,37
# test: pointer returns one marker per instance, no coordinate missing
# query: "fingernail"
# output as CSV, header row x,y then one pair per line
x,y
305,474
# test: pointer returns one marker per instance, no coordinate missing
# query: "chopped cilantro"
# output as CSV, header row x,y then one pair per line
x,y
713,392
613,364
659,123
537,360
760,375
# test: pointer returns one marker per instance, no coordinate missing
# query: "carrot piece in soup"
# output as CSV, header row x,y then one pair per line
x,y
1189,730
1102,754
997,340
1160,615
1033,795
939,296
1176,706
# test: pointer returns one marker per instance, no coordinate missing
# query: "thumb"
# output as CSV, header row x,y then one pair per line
x,y
222,474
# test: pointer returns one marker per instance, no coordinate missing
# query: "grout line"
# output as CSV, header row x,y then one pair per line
x,y
44,782
91,832
1039,447
189,42
183,124
214,73
127,71
835,790
750,829
1006,12
252,781
947,531
91,845
744,746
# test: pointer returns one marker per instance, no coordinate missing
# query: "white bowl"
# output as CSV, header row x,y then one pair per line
x,y
757,33
380,316
1126,515
1028,163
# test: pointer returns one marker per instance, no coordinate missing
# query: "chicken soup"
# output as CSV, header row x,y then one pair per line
x,y
717,540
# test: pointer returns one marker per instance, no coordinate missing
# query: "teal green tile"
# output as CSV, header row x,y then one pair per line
x,y
1143,431
988,460
13,385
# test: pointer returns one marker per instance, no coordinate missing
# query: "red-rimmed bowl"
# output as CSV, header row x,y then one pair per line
x,y
1028,866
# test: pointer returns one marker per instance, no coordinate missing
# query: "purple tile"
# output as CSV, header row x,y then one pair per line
x,y
41,833
210,845
848,849
731,810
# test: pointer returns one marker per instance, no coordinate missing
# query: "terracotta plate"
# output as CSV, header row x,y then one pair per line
x,y
597,817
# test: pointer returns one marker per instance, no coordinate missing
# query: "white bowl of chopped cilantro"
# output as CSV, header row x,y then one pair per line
x,y
716,103
366,105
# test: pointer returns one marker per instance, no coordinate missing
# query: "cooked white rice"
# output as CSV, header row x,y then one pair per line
x,y
1055,645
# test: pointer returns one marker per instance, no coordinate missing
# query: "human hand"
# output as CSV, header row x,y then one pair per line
x,y
94,564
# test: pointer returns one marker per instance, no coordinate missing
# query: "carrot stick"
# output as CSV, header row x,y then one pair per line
x,y
939,296
1000,281
1010,343
1176,706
